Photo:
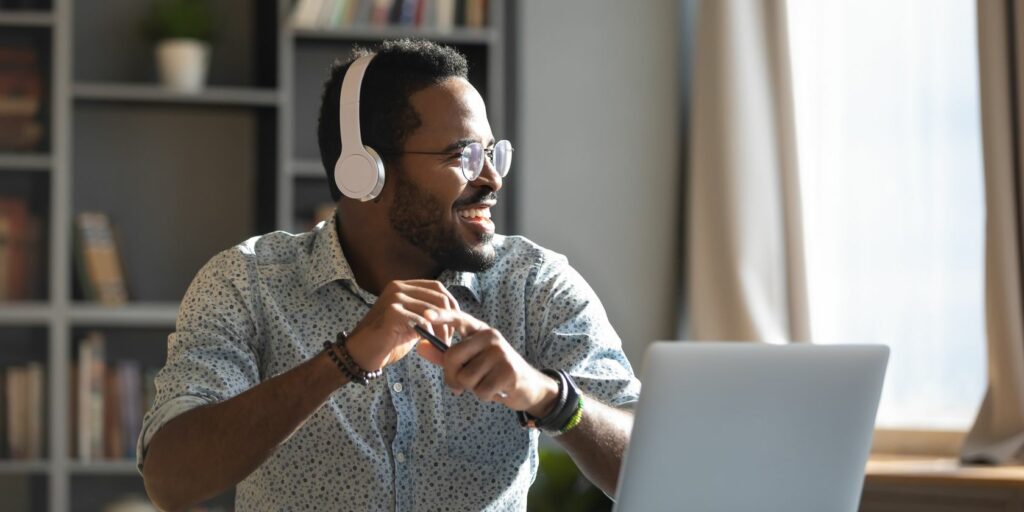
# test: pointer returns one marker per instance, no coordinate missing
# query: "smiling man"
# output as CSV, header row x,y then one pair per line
x,y
296,373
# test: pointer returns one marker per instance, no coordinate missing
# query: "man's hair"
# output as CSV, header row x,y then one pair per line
x,y
400,69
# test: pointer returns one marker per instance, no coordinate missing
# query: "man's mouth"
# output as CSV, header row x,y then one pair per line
x,y
477,217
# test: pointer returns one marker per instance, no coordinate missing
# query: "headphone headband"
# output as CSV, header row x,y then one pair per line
x,y
348,105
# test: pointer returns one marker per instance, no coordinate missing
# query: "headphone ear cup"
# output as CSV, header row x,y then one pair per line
x,y
360,175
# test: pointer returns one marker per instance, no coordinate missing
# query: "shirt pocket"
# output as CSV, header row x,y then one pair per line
x,y
482,431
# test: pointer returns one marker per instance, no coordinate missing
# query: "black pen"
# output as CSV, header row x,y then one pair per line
x,y
434,340
440,345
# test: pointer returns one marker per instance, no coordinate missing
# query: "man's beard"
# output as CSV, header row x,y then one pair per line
x,y
419,218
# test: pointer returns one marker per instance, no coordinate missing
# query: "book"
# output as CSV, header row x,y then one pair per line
x,y
380,13
364,13
98,260
444,15
91,374
17,409
15,269
5,255
4,450
305,12
130,381
34,424
21,98
113,442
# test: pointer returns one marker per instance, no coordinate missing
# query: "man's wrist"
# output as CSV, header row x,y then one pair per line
x,y
548,399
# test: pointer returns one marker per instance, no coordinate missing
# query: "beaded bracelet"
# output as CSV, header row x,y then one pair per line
x,y
348,367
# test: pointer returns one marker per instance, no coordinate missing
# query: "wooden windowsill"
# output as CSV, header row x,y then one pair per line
x,y
939,471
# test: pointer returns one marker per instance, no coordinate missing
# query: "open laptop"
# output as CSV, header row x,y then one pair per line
x,y
752,427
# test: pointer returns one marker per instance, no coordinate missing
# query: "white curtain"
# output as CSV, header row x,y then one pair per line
x,y
745,273
998,432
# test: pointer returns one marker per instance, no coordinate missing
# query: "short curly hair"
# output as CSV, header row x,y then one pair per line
x,y
386,118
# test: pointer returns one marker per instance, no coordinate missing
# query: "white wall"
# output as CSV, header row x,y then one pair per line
x,y
599,129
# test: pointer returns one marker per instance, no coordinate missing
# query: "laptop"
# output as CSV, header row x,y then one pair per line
x,y
752,427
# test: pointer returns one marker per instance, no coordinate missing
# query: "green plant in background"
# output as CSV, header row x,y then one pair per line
x,y
560,487
188,19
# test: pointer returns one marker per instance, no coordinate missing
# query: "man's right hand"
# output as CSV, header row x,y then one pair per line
x,y
384,335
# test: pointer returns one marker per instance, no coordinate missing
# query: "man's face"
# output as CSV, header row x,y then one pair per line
x,y
434,207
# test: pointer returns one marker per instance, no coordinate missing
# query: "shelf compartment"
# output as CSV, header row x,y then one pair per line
x,y
153,93
172,211
455,35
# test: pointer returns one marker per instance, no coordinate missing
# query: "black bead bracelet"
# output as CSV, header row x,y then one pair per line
x,y
348,367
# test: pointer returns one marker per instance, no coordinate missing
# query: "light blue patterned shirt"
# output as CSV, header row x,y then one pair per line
x,y
404,442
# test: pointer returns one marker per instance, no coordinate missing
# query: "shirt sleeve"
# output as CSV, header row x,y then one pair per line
x,y
211,356
574,334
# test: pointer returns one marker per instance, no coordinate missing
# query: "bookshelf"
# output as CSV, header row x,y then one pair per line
x,y
182,177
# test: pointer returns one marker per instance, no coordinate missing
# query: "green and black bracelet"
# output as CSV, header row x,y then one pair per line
x,y
567,412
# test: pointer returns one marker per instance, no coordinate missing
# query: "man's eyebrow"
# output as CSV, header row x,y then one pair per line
x,y
461,143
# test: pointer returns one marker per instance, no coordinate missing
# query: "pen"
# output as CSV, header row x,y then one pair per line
x,y
440,345
434,340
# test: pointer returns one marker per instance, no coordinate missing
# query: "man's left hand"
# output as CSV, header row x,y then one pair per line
x,y
486,365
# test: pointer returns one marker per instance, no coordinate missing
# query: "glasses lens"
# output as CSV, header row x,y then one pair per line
x,y
503,157
472,161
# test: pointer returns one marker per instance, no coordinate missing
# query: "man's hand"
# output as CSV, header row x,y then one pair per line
x,y
383,336
487,366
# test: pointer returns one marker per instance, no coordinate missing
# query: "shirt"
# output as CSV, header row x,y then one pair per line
x,y
404,442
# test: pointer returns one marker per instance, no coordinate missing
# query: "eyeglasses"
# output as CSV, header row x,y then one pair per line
x,y
471,158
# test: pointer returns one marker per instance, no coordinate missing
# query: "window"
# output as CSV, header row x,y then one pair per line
x,y
889,146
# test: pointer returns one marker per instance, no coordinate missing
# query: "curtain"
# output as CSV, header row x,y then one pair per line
x,y
744,261
998,432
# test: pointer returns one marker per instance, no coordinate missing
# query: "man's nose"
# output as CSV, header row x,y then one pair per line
x,y
488,176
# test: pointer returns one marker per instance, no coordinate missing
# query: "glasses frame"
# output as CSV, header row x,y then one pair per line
x,y
464,154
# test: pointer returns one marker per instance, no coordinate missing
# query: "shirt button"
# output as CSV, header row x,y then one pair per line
x,y
398,389
400,457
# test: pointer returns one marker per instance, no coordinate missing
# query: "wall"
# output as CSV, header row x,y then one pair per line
x,y
597,157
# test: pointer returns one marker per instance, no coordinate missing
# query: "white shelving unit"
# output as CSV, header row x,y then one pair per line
x,y
182,176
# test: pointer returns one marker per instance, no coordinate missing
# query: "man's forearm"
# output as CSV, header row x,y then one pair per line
x,y
598,443
206,450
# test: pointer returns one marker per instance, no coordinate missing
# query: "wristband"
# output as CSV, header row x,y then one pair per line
x,y
567,413
348,367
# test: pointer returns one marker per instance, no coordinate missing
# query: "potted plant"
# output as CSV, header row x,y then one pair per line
x,y
182,30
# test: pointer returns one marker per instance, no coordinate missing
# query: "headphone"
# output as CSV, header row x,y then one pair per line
x,y
359,171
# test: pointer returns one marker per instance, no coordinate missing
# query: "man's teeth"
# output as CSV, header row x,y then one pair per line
x,y
480,212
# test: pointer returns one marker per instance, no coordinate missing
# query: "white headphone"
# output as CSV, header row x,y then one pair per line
x,y
359,171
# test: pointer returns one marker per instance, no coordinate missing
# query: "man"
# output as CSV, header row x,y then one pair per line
x,y
252,397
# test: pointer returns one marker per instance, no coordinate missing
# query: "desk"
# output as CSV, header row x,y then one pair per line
x,y
919,484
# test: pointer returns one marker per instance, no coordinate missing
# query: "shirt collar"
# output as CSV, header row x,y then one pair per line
x,y
328,263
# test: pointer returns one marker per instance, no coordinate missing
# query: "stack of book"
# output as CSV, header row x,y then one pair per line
x,y
108,402
21,97
22,411
21,258
441,15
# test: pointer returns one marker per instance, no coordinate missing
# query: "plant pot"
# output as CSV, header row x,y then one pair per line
x,y
182,64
